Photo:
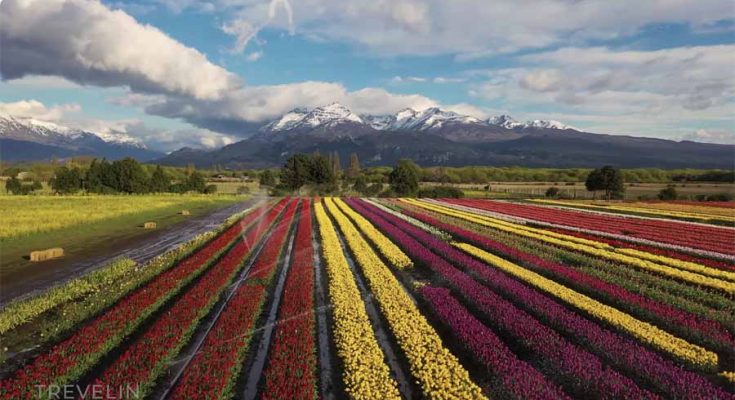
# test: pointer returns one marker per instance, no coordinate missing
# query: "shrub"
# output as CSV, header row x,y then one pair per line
x,y
668,193
441,192
552,192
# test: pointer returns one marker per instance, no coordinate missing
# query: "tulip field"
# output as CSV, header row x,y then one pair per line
x,y
378,298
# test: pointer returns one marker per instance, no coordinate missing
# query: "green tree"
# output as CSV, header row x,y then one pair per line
x,y
608,179
160,181
321,171
404,179
13,186
196,182
210,189
354,169
336,165
67,180
296,172
360,185
131,177
267,178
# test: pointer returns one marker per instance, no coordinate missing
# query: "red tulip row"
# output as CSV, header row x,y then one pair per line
x,y
617,350
291,372
724,265
214,370
686,324
145,359
708,238
73,357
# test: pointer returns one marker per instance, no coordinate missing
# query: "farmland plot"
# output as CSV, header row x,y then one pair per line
x,y
405,298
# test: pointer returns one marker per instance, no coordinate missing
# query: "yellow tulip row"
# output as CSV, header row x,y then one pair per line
x,y
566,241
644,331
437,371
386,247
366,376
672,262
730,376
645,210
681,264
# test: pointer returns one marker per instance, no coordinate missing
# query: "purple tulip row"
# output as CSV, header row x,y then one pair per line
x,y
579,371
620,351
692,325
519,379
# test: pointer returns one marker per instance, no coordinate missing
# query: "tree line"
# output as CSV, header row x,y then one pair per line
x,y
126,176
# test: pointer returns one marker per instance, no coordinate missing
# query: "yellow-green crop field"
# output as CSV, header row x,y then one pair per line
x,y
24,215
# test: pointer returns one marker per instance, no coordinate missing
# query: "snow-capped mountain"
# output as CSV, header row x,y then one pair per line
x,y
33,139
329,115
548,124
505,121
50,132
430,119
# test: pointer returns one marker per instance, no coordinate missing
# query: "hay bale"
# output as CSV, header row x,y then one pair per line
x,y
149,225
43,255
185,212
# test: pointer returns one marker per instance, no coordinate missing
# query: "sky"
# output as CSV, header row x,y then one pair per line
x,y
207,73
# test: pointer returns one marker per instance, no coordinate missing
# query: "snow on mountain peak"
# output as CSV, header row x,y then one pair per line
x,y
549,124
30,128
505,120
406,119
331,114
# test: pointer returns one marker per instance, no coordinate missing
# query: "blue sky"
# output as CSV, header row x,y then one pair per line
x,y
204,73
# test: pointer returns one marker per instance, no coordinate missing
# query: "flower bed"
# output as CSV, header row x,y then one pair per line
x,y
437,371
71,358
620,351
703,237
364,371
291,372
213,371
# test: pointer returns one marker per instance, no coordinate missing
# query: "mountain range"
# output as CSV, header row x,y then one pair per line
x,y
432,136
24,139
439,137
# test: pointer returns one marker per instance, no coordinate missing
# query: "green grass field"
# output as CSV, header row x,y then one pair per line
x,y
80,223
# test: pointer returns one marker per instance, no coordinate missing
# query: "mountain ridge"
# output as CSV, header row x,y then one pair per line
x,y
23,139
438,137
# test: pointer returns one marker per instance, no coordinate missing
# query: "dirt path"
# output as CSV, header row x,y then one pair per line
x,y
141,248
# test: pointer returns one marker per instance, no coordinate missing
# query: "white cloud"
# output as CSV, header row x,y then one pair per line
x,y
242,111
86,42
254,56
475,28
693,77
445,80
245,27
663,93
711,136
37,110
404,79
44,82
